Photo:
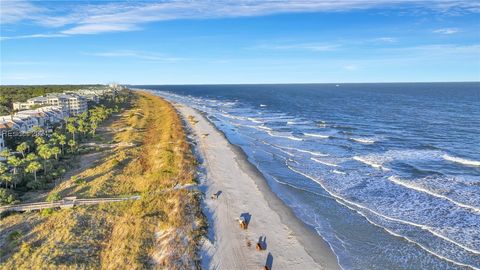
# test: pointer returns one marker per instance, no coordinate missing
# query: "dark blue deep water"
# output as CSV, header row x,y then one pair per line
x,y
387,174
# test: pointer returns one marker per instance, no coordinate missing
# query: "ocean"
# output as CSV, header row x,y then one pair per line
x,y
387,174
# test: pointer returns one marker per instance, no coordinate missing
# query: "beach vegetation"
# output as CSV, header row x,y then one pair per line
x,y
162,229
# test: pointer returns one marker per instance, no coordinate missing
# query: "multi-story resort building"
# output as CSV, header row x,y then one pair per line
x,y
73,104
46,110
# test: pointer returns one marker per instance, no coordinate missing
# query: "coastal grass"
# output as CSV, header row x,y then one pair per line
x,y
161,230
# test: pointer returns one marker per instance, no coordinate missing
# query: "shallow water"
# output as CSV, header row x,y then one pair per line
x,y
388,174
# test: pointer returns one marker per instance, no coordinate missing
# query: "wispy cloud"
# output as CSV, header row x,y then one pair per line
x,y
15,11
386,39
447,31
99,17
99,28
34,36
150,56
315,47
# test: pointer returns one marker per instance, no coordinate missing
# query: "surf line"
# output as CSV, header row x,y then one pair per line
x,y
423,227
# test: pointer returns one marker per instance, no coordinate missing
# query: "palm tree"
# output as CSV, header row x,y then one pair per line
x,y
15,162
82,123
72,129
72,144
45,152
62,140
39,141
82,126
3,171
31,157
93,126
5,153
22,148
56,151
7,178
33,167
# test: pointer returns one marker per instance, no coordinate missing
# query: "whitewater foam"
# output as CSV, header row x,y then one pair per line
x,y
406,184
324,162
344,202
290,137
371,163
463,161
363,140
316,135
313,153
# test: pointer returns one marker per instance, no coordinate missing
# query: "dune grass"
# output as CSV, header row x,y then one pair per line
x,y
161,230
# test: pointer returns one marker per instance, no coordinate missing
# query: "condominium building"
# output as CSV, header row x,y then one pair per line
x,y
3,131
71,104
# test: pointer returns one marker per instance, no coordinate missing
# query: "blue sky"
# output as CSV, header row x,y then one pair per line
x,y
211,42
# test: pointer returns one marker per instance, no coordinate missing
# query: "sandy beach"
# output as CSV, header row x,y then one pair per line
x,y
289,244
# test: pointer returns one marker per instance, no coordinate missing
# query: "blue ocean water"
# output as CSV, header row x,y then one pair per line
x,y
387,174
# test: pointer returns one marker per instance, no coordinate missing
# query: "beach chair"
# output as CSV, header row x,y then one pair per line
x,y
261,243
243,223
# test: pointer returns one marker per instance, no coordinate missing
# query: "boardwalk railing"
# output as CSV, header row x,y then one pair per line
x,y
65,203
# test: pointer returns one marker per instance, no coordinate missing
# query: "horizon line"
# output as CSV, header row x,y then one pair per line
x,y
266,83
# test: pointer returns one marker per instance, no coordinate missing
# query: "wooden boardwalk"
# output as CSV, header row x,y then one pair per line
x,y
65,203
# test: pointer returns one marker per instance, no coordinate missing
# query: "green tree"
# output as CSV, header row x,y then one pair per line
x,y
33,167
82,127
45,152
82,123
31,157
72,144
5,153
39,140
71,128
93,126
7,196
61,139
15,162
56,151
22,148
3,172
7,178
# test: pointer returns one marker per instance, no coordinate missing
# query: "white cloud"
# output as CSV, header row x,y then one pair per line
x,y
98,17
315,47
34,36
150,56
15,11
99,28
447,31
386,39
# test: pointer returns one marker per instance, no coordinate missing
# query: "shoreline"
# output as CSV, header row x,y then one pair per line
x,y
313,243
297,245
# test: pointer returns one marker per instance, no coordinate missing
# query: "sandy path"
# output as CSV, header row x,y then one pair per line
x,y
243,192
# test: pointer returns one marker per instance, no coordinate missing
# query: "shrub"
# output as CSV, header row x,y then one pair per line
x,y
53,197
14,236
46,212
79,181
7,196
35,184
